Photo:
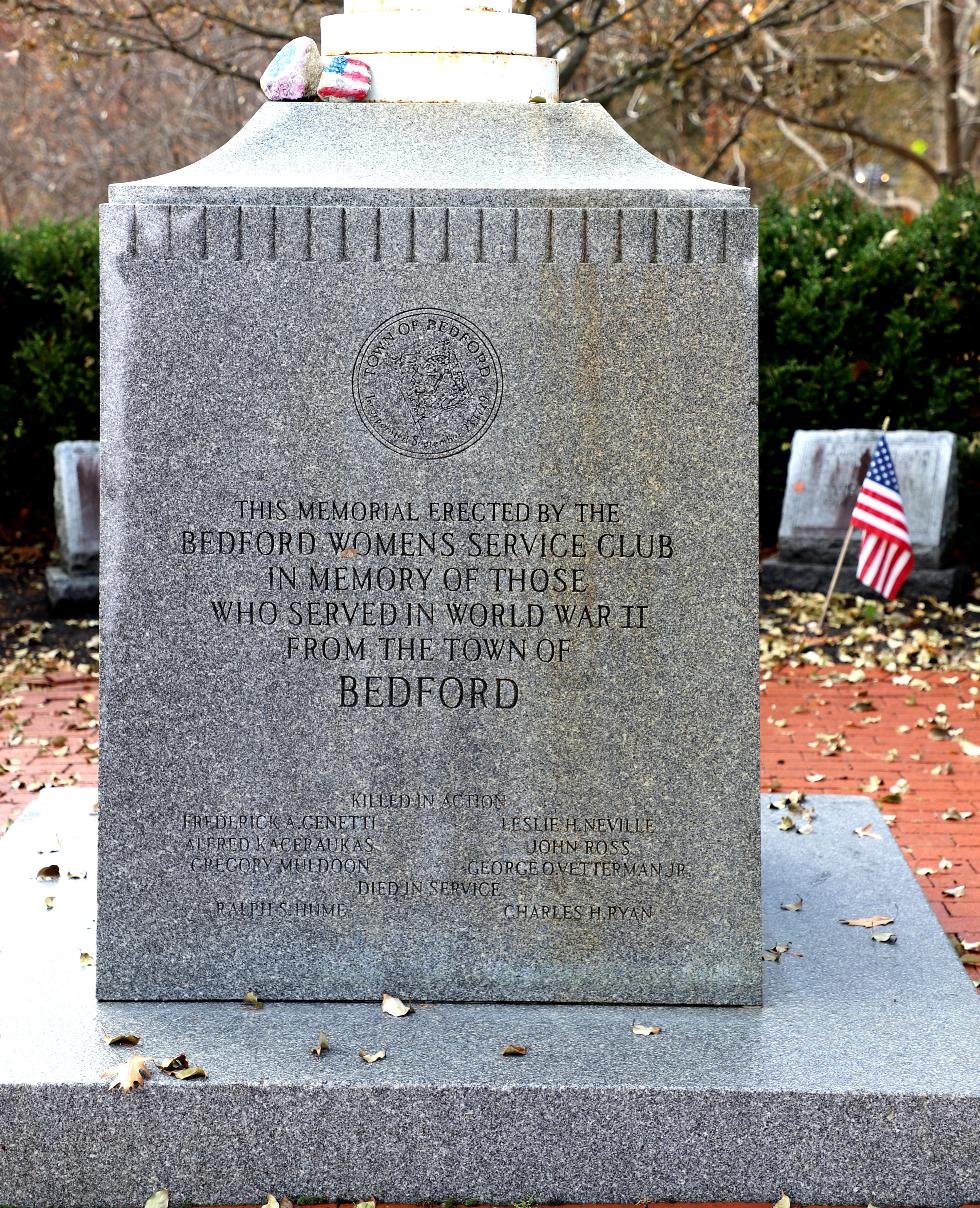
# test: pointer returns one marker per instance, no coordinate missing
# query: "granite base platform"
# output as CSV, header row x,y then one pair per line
x,y
950,583
857,1082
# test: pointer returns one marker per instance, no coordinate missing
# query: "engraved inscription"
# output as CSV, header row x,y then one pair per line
x,y
427,383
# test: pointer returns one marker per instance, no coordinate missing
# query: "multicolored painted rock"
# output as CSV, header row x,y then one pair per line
x,y
294,73
344,78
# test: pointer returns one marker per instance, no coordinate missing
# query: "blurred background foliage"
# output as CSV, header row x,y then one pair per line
x,y
862,315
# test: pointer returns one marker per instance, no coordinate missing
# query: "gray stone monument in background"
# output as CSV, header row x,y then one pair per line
x,y
74,582
430,668
826,469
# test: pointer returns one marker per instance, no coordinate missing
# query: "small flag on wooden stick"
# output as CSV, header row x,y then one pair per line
x,y
886,550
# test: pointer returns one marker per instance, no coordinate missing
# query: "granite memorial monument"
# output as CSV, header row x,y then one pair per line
x,y
429,473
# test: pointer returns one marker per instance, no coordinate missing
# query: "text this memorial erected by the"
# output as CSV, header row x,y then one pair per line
x,y
430,574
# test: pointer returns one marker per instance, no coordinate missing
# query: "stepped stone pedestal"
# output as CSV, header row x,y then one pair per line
x,y
855,1083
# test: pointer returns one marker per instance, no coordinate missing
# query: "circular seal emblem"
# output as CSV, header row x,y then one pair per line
x,y
427,383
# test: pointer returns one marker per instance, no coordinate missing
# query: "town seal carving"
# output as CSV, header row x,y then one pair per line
x,y
427,383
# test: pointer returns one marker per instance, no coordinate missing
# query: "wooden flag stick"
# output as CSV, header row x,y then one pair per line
x,y
840,559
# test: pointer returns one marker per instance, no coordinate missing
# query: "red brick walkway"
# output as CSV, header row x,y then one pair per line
x,y
899,739
49,735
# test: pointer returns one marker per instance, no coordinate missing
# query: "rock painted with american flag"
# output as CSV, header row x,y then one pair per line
x,y
886,556
344,78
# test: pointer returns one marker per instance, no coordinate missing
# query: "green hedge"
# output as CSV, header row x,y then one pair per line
x,y
862,316
49,358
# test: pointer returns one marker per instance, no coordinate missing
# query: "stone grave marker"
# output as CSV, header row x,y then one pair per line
x,y
75,581
429,565
826,469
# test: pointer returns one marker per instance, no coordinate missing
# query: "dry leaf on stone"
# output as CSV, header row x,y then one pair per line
x,y
873,785
371,1058
128,1074
513,1050
645,1029
170,1065
786,823
970,748
321,1046
783,1202
945,864
956,892
774,953
925,872
390,1005
50,872
49,903
814,778
884,937
873,920
121,1038
251,999
192,1071
866,832
86,959
365,1204
797,905
159,1199
283,1202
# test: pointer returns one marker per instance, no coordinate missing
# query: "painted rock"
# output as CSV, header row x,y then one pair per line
x,y
294,72
345,78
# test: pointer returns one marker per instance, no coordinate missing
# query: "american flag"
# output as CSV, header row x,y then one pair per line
x,y
344,77
886,550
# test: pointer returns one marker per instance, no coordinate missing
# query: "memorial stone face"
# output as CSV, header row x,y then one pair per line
x,y
429,566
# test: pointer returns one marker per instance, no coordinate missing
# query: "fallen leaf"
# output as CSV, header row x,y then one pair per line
x,y
513,1050
956,892
873,920
49,903
797,905
390,1005
371,1058
85,958
159,1199
783,1202
955,815
970,748
866,832
251,999
786,823
873,785
925,872
321,1045
128,1074
945,864
814,778
884,937
121,1038
774,953
50,872
644,1029
365,1204
170,1065
192,1071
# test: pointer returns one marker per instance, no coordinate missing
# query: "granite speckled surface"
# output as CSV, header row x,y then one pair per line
x,y
857,1082
429,566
